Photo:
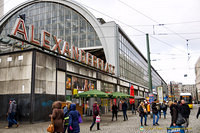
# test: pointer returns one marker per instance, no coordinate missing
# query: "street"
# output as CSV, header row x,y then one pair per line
x,y
108,126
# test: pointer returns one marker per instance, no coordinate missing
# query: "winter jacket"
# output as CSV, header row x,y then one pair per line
x,y
164,107
174,112
73,119
154,108
95,107
12,107
142,113
184,110
114,109
58,117
124,106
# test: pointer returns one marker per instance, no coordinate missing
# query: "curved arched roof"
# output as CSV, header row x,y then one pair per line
x,y
72,4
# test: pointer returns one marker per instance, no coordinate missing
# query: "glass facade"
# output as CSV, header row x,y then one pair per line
x,y
132,65
59,20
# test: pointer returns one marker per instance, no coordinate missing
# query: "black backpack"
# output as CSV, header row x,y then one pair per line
x,y
96,112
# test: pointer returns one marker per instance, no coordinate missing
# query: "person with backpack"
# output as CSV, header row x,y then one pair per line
x,y
164,108
95,114
114,111
185,112
155,113
66,111
11,113
143,113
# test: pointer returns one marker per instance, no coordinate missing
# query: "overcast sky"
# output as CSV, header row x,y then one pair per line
x,y
168,45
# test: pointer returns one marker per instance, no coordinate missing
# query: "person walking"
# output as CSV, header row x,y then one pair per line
x,y
155,113
95,114
11,113
74,115
114,111
133,108
174,113
185,112
164,108
158,105
143,113
66,111
57,116
124,109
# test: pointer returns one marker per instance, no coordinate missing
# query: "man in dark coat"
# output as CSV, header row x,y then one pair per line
x,y
164,108
114,111
174,113
155,113
185,112
73,120
95,114
124,109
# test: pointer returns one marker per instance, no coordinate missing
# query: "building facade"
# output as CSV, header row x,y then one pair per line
x,y
37,76
197,80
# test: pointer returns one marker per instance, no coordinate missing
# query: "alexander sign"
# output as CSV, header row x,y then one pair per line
x,y
74,53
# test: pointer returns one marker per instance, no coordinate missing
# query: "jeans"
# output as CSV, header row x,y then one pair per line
x,y
145,119
11,119
164,113
113,116
156,119
125,115
94,121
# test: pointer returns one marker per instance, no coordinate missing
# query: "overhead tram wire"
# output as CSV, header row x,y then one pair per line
x,y
133,28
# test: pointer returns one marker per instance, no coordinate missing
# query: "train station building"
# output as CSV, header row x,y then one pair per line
x,y
53,49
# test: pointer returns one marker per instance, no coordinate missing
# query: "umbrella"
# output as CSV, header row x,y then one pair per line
x,y
92,93
120,95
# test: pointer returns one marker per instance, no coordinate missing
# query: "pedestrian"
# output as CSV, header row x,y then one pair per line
x,y
57,116
124,109
114,111
174,113
164,108
143,113
185,112
148,108
198,113
158,105
11,113
74,115
66,111
155,113
95,114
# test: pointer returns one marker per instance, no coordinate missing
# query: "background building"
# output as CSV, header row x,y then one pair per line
x,y
40,77
1,8
197,81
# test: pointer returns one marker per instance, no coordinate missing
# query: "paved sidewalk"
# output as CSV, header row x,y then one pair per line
x,y
108,126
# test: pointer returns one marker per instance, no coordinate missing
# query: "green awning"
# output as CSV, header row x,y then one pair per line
x,y
120,95
93,93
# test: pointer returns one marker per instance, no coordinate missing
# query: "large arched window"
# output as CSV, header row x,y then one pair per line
x,y
59,20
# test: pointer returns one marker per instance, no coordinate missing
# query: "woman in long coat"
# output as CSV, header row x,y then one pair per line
x,y
57,117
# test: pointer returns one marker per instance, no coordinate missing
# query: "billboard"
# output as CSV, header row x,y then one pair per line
x,y
160,93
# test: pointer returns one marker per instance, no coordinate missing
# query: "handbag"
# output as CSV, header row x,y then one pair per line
x,y
180,119
51,127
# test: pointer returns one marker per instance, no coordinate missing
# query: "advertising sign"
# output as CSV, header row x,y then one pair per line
x,y
151,98
132,100
160,93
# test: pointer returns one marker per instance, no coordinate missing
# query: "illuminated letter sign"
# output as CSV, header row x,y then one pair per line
x,y
45,42
65,49
20,28
31,35
56,46
74,51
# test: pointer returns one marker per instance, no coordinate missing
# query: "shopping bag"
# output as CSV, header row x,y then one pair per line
x,y
51,127
175,129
